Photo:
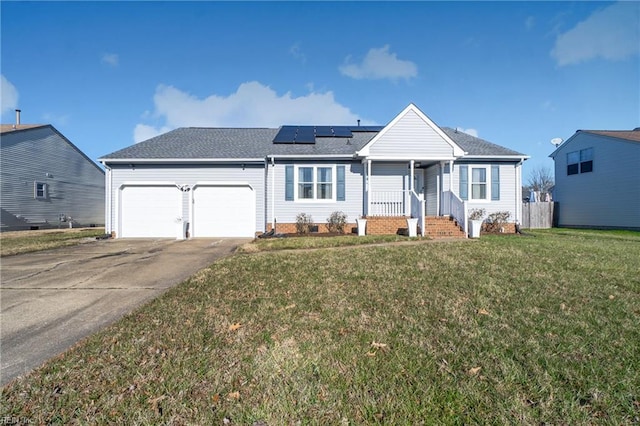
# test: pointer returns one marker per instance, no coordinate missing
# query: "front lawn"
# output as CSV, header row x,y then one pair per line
x,y
18,242
538,329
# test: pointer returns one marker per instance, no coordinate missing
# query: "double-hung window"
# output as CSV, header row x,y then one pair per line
x,y
315,183
39,190
478,183
580,161
482,185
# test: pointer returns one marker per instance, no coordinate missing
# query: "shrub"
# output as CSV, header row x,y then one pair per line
x,y
477,214
496,221
336,222
304,223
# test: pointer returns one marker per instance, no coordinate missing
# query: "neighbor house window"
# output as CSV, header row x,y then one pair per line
x,y
586,160
580,161
315,183
478,183
39,190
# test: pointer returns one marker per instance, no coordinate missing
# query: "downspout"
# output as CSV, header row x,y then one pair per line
x,y
107,201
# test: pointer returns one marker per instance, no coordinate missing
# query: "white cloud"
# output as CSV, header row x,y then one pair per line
x,y
252,105
297,53
612,33
530,22
472,132
9,95
110,59
379,64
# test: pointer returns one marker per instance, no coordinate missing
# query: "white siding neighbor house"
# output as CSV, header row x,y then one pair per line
x,y
47,182
597,174
212,182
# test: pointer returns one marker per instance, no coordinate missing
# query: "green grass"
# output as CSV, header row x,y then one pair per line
x,y
12,243
540,329
316,242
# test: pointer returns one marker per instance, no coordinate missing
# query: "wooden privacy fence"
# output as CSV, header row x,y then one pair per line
x,y
538,215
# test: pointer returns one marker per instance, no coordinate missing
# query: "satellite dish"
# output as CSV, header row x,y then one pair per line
x,y
556,141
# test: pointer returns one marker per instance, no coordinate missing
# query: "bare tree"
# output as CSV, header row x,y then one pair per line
x,y
541,180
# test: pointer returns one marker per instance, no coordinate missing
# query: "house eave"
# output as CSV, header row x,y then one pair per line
x,y
496,157
405,158
315,156
180,160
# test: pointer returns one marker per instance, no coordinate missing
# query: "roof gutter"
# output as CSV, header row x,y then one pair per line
x,y
305,157
180,160
497,157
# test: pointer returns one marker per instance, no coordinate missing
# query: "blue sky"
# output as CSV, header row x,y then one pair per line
x,y
109,74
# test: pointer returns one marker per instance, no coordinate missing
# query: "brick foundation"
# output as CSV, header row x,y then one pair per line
x,y
436,227
290,228
380,225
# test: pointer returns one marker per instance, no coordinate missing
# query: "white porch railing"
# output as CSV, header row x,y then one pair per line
x,y
389,203
456,208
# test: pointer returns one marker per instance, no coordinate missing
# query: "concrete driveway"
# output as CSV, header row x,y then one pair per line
x,y
52,299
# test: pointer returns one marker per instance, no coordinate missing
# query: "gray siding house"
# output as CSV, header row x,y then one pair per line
x,y
212,182
46,181
597,174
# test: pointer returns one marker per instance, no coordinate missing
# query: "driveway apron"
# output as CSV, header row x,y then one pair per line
x,y
52,299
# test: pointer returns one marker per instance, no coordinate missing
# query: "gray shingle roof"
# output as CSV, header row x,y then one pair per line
x,y
476,146
256,143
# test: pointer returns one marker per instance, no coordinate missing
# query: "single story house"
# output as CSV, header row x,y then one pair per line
x,y
597,175
241,182
47,182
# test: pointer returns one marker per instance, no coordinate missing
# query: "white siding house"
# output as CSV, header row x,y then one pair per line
x,y
597,180
47,182
206,182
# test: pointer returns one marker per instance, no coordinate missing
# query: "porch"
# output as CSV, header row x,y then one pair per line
x,y
395,191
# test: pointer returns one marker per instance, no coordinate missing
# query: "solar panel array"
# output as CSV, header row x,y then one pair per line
x,y
308,134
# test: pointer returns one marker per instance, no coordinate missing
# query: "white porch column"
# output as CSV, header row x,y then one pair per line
x,y
412,171
439,189
368,184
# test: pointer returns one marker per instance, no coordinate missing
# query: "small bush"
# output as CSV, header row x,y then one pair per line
x,y
304,223
336,222
477,214
496,221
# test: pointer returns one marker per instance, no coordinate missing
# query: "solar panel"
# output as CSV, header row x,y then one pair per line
x,y
324,131
342,132
305,134
286,134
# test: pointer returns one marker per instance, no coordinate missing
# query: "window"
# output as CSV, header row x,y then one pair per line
x,y
39,190
482,185
478,183
586,160
314,183
580,161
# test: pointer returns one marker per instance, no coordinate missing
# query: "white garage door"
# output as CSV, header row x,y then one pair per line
x,y
224,211
150,211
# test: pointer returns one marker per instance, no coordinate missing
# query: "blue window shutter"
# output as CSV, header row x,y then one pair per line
x,y
464,182
495,182
288,187
340,195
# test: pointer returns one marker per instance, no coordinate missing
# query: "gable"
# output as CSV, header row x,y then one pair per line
x,y
412,135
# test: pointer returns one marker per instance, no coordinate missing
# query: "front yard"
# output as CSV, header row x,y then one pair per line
x,y
539,329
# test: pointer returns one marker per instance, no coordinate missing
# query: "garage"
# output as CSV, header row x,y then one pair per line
x,y
223,210
150,211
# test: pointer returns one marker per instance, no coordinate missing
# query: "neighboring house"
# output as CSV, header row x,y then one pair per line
x,y
597,179
212,182
47,182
